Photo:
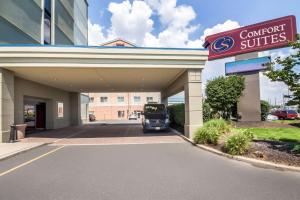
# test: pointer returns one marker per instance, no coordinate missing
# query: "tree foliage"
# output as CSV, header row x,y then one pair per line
x,y
223,93
289,73
265,108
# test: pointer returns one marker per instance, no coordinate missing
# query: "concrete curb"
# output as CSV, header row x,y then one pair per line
x,y
21,151
252,161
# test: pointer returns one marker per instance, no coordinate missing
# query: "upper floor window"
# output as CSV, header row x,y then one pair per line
x,y
47,6
103,99
137,99
91,99
149,99
47,22
120,99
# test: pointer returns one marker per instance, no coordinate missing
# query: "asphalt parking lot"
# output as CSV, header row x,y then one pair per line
x,y
159,171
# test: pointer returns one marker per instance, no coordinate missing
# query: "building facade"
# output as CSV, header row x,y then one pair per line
x,y
44,83
55,22
120,106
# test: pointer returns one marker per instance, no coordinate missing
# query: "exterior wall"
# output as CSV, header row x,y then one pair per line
x,y
6,103
109,110
20,22
71,22
25,88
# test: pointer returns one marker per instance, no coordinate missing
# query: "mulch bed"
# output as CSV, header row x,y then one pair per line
x,y
274,151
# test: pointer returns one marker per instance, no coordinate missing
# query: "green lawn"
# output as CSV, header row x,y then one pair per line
x,y
280,134
287,121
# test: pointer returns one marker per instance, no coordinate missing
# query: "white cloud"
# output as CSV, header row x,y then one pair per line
x,y
226,26
177,22
131,21
272,91
95,34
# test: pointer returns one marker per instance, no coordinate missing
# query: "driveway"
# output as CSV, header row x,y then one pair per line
x,y
103,133
169,171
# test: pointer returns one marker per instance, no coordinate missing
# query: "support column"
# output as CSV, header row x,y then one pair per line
x,y
164,99
249,103
193,102
75,109
6,103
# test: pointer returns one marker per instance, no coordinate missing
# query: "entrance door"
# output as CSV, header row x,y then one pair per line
x,y
41,116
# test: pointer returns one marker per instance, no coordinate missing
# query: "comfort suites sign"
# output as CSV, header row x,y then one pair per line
x,y
258,37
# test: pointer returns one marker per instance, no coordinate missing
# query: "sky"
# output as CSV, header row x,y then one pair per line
x,y
185,24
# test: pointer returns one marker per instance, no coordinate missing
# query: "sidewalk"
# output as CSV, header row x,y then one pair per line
x,y
11,149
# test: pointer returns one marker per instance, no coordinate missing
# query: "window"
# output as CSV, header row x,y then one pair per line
x,y
121,114
60,109
149,99
91,99
47,22
137,99
47,6
103,99
120,99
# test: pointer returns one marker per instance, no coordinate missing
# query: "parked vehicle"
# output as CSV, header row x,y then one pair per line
x,y
92,117
271,117
133,117
155,117
286,114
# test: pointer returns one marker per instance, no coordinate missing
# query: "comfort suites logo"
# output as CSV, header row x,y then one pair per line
x,y
222,44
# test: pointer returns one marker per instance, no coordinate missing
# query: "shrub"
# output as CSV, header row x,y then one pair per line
x,y
211,132
207,135
220,124
265,108
239,142
177,114
207,112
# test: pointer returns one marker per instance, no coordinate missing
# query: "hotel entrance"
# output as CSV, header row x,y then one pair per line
x,y
34,114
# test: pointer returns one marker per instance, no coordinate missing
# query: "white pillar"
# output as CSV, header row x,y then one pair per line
x,y
164,98
6,103
193,102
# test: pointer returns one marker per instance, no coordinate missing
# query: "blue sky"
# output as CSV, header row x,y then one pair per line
x,y
184,23
210,13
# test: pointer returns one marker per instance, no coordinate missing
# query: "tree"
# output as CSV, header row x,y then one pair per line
x,y
265,108
288,73
207,115
223,93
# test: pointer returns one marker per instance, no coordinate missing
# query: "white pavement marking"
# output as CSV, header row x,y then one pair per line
x,y
30,161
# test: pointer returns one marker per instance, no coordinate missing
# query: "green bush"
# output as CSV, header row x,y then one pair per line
x,y
265,108
177,114
220,124
207,112
239,142
211,132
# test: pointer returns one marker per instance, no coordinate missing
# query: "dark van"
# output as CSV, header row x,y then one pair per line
x,y
155,117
